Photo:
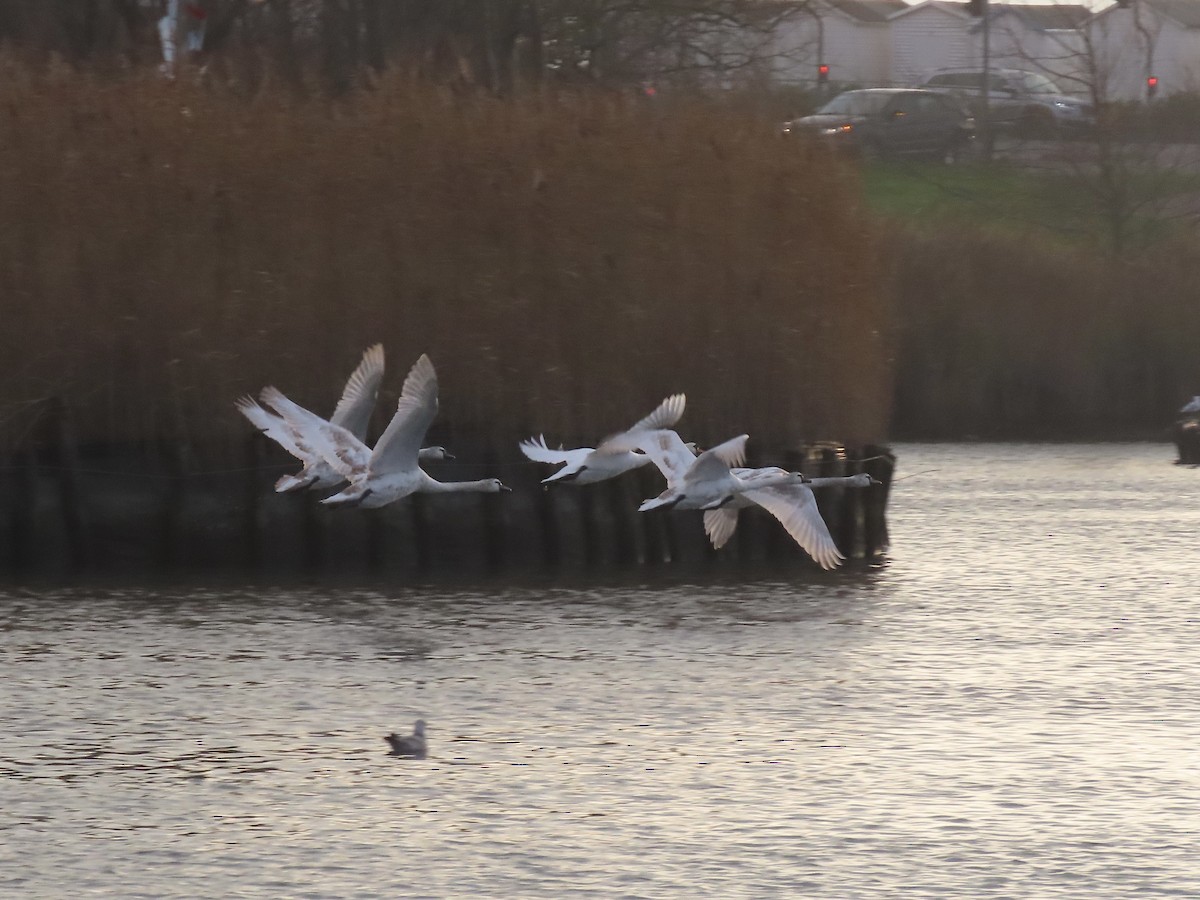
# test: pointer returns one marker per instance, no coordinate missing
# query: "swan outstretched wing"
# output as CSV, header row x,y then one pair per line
x,y
353,411
654,437
796,509
302,425
716,462
345,453
271,425
719,525
536,449
401,441
665,415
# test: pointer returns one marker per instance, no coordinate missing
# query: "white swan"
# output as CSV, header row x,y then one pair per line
x,y
693,482
390,471
587,465
411,746
793,505
353,413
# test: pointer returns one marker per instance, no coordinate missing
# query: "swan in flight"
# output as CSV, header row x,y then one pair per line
x,y
694,481
792,504
717,482
587,465
390,471
410,746
353,413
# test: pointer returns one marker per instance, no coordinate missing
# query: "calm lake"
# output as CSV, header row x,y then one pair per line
x,y
1009,707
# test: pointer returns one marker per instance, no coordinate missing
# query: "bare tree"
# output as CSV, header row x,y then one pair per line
x,y
1129,180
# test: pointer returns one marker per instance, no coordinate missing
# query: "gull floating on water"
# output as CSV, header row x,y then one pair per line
x,y
792,504
411,746
353,413
390,471
587,465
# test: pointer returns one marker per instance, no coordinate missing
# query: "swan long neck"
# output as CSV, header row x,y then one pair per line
x,y
768,481
841,481
456,487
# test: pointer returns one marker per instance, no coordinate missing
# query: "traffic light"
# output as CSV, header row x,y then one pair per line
x,y
822,73
1151,86
976,7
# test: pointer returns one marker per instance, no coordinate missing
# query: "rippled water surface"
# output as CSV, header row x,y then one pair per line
x,y
1009,708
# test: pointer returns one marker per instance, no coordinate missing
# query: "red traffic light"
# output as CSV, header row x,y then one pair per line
x,y
1151,85
822,73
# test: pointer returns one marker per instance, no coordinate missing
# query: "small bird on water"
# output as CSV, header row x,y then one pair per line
x,y
410,746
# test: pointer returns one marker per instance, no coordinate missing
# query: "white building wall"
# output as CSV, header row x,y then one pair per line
x,y
1126,54
1058,54
1177,60
856,53
927,39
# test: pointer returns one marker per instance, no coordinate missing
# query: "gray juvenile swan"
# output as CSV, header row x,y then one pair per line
x,y
353,413
390,471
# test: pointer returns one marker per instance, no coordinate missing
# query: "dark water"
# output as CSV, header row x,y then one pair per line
x,y
1009,708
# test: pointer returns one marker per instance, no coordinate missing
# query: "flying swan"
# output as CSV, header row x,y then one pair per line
x,y
390,471
717,482
587,465
794,505
353,413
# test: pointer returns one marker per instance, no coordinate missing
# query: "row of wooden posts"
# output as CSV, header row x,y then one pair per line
x,y
154,511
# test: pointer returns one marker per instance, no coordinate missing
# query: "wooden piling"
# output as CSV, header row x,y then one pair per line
x,y
155,519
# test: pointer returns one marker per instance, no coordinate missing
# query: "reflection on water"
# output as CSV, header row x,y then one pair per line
x,y
1008,708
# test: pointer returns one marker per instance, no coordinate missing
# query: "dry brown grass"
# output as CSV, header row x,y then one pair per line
x,y
566,262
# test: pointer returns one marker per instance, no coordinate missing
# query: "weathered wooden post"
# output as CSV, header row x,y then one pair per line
x,y
252,502
171,457
22,522
548,527
493,518
66,458
880,463
622,510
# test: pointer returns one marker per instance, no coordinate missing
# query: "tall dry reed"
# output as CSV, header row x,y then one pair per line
x,y
566,261
1008,337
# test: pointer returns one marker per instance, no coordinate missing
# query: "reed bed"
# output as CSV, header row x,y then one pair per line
x,y
565,260
1005,336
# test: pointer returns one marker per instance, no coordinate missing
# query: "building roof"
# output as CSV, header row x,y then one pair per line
x,y
1051,17
869,10
949,6
1185,12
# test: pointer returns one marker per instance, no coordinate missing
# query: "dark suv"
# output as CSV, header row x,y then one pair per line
x,y
1027,102
892,122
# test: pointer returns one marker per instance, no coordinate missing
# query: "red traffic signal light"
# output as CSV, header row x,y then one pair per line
x,y
822,73
1151,85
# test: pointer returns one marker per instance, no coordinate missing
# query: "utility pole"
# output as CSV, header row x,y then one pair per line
x,y
980,8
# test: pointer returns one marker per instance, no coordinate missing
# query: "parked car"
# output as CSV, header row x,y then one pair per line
x,y
892,122
1027,102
